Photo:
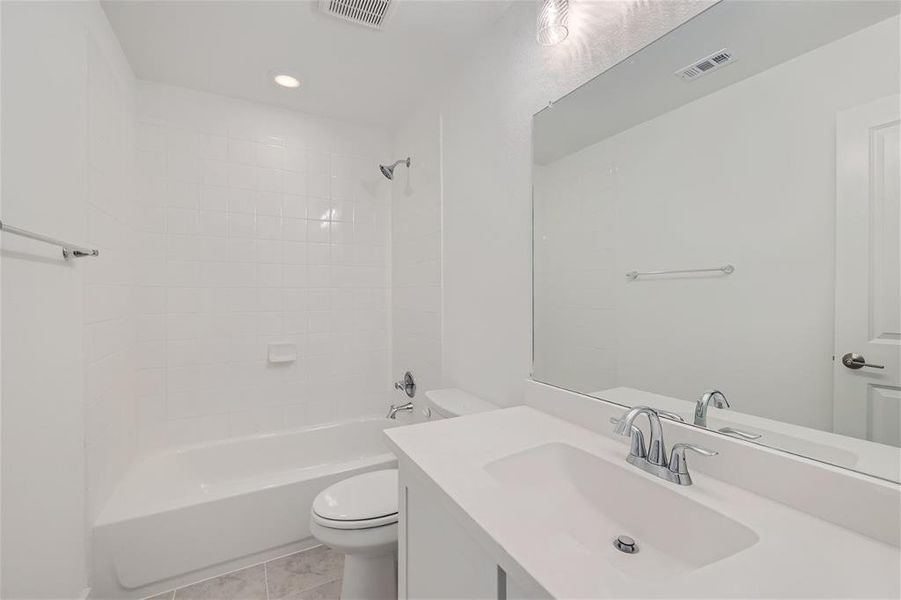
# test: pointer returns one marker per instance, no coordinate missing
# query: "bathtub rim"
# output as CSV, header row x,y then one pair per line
x,y
111,513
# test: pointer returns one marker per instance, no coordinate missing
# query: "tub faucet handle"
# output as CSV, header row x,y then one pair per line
x,y
406,385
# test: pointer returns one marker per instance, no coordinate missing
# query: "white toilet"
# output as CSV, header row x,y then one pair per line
x,y
358,516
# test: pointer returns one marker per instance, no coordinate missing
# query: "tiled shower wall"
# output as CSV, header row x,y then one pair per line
x,y
258,225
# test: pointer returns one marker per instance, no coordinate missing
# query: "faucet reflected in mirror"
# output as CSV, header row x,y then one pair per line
x,y
719,401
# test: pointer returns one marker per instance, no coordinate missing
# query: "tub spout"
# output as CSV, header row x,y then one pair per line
x,y
392,412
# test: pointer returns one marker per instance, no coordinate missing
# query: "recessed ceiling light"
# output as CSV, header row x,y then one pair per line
x,y
285,80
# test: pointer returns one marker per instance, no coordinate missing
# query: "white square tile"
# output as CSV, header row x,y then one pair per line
x,y
296,158
242,176
241,151
183,195
242,201
268,227
294,276
294,206
270,156
214,147
241,225
183,167
294,230
269,251
268,203
214,198
318,185
215,172
269,180
295,183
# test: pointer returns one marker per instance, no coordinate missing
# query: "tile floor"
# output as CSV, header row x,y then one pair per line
x,y
313,574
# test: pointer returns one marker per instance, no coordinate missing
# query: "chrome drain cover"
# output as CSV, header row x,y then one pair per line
x,y
624,543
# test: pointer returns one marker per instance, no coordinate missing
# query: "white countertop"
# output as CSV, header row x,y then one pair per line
x,y
796,555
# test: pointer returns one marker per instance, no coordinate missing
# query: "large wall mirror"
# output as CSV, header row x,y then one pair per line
x,y
720,211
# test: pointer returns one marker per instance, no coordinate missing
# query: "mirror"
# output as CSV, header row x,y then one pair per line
x,y
720,211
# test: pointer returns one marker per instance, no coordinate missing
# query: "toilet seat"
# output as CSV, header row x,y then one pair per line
x,y
360,502
359,524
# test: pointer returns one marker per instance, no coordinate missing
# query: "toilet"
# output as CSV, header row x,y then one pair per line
x,y
358,516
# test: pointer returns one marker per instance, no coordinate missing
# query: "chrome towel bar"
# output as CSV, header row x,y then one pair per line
x,y
69,250
727,269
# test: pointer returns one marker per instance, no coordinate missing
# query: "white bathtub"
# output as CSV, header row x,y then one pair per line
x,y
187,513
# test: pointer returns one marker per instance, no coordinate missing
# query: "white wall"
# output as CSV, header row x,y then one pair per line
x,y
65,99
109,279
486,107
416,255
665,194
258,225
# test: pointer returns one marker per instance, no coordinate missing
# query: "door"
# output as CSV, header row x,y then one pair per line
x,y
867,402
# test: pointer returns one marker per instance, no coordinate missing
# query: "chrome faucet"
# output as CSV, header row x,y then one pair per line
x,y
656,452
719,401
653,459
392,412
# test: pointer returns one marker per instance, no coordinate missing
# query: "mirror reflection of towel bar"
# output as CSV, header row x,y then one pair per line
x,y
727,269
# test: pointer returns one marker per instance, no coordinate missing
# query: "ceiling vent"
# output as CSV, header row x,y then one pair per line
x,y
371,13
706,65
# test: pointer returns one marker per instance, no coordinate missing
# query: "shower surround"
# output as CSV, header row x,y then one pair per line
x,y
259,225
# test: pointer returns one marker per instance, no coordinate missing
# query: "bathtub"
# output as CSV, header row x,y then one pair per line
x,y
188,513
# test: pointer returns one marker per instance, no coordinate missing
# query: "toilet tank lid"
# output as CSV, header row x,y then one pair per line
x,y
453,402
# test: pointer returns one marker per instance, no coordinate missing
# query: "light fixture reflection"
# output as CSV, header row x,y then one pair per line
x,y
553,17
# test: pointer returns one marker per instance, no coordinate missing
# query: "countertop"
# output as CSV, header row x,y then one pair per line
x,y
796,555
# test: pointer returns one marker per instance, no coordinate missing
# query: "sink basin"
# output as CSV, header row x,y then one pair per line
x,y
593,500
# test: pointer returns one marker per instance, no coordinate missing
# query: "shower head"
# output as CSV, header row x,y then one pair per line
x,y
388,171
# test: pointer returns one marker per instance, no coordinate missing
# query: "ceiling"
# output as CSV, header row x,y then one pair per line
x,y
348,71
761,35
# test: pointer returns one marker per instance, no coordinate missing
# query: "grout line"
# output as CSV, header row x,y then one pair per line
x,y
266,577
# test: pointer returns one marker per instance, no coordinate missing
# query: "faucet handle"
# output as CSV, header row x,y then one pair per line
x,y
407,385
636,439
739,433
670,415
677,462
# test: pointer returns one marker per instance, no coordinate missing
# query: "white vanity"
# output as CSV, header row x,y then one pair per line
x,y
528,505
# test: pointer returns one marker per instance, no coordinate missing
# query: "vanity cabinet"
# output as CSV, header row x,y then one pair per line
x,y
437,558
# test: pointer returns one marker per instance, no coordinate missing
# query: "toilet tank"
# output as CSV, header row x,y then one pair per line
x,y
453,402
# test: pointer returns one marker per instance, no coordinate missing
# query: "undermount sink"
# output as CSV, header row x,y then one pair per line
x,y
594,500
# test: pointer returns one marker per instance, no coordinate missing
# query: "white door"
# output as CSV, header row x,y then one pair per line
x,y
867,401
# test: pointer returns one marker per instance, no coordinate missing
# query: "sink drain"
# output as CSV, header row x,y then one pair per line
x,y
624,543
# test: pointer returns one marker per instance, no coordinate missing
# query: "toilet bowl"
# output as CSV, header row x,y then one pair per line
x,y
358,516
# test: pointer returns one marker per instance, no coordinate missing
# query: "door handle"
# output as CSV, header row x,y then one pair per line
x,y
856,361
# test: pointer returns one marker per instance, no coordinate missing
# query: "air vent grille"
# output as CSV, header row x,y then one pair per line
x,y
708,64
371,13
